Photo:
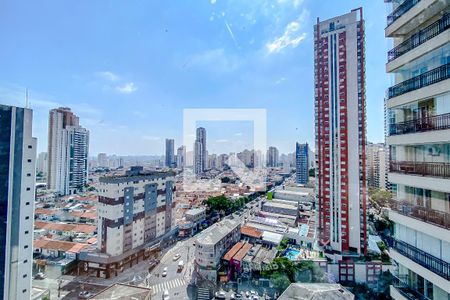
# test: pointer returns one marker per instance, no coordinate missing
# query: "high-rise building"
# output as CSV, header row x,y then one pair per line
x,y
181,157
340,126
272,157
17,188
302,163
42,163
200,152
68,147
102,160
376,166
212,161
418,110
134,209
170,153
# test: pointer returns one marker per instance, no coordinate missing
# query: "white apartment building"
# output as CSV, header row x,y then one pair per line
x,y
418,110
211,245
134,210
68,147
17,189
376,166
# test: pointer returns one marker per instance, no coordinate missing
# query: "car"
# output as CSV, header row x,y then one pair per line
x,y
238,296
247,294
221,295
84,295
166,295
255,297
176,256
253,293
164,274
40,275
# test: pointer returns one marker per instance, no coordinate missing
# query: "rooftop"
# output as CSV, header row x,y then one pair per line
x,y
229,255
242,252
195,211
216,232
141,175
251,231
58,245
316,291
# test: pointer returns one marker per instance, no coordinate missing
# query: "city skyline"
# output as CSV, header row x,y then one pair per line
x,y
113,94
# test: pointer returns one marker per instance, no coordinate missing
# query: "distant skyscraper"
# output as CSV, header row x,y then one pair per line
x,y
170,153
340,132
272,157
200,152
102,160
376,165
68,145
42,163
17,186
181,157
302,163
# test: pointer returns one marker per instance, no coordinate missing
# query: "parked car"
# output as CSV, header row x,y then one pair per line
x,y
40,275
84,295
166,295
220,295
176,256
164,273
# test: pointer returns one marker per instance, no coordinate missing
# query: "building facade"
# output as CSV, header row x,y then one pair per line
x,y
418,112
340,132
302,158
134,209
211,245
181,157
17,190
170,153
68,148
272,157
200,152
376,166
42,163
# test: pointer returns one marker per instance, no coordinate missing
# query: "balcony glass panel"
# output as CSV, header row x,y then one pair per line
x,y
425,153
399,8
420,37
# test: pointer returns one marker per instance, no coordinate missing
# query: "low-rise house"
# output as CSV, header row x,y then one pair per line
x,y
54,249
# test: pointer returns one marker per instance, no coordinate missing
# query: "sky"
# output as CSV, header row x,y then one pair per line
x,y
128,69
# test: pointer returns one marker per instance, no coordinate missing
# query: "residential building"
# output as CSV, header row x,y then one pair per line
x,y
418,110
211,245
302,157
102,160
200,152
42,163
340,125
272,157
134,209
376,166
315,291
17,189
181,157
68,148
212,161
170,153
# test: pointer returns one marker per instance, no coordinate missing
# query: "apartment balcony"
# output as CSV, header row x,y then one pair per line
x,y
401,10
420,37
426,260
434,169
428,78
438,122
427,215
411,14
400,284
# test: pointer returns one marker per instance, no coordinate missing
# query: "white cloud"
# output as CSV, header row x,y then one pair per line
x,y
280,80
126,88
107,75
213,2
291,37
222,141
238,134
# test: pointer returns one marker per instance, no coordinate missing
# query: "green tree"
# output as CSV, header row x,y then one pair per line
x,y
380,197
280,281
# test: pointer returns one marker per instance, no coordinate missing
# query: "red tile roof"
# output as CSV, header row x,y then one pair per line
x,y
251,231
59,245
229,255
243,252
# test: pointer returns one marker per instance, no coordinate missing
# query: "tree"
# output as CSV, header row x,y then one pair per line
x,y
280,281
283,244
380,197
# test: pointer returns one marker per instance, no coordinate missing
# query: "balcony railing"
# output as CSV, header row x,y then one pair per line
x,y
434,169
427,215
400,282
420,81
426,260
420,37
401,10
439,122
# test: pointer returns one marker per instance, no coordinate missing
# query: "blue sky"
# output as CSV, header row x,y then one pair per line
x,y
129,68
